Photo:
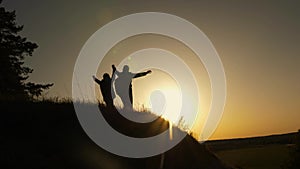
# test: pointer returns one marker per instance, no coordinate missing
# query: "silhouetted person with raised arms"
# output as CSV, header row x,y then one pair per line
x,y
105,87
123,84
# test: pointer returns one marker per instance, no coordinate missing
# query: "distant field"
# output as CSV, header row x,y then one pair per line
x,y
260,157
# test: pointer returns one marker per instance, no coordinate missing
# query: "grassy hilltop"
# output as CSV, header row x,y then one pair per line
x,y
47,134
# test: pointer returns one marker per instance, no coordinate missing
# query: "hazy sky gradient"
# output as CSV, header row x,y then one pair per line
x,y
258,42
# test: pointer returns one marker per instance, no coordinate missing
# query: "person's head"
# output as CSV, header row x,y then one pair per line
x,y
106,76
126,68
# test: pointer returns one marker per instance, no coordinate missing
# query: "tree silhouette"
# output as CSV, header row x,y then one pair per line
x,y
13,50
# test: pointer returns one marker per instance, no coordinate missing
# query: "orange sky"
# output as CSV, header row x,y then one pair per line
x,y
258,43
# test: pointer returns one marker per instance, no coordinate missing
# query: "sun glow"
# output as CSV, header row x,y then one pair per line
x,y
162,98
166,103
172,90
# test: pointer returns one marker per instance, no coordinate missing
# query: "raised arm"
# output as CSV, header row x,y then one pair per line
x,y
114,70
96,80
142,74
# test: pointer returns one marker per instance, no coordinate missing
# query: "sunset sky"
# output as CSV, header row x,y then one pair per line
x,y
257,41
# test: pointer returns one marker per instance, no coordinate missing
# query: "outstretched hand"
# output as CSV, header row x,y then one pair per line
x,y
113,67
94,77
149,71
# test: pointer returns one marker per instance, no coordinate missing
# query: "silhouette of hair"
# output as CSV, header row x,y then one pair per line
x,y
125,68
106,76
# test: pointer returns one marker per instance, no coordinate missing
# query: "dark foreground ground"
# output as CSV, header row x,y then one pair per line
x,y
48,135
268,152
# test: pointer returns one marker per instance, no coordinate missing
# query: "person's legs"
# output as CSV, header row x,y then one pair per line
x,y
130,94
109,102
125,101
125,93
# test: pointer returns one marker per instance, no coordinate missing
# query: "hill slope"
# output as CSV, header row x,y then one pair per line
x,y
48,135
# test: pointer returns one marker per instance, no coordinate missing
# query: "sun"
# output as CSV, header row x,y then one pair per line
x,y
162,96
166,103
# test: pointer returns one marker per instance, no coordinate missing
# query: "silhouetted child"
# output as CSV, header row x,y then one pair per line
x,y
123,84
106,90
